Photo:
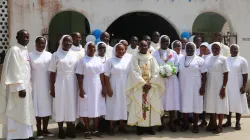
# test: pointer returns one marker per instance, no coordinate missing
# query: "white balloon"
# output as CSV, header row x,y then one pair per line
x,y
191,39
90,38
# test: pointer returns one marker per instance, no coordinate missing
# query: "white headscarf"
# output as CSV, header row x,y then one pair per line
x,y
237,47
45,42
61,42
86,46
207,45
172,45
161,39
122,41
114,49
218,43
191,44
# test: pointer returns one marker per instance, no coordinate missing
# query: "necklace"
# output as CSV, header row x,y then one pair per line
x,y
169,55
189,62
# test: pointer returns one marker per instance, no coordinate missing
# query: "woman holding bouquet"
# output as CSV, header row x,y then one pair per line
x,y
192,76
171,98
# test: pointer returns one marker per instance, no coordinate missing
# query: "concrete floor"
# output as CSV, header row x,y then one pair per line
x,y
228,134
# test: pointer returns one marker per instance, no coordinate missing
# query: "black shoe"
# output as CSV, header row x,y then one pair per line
x,y
139,131
151,132
111,132
80,126
61,135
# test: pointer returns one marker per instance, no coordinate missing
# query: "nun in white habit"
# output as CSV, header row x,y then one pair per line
x,y
101,51
126,55
63,86
192,77
237,80
216,99
42,101
171,98
116,74
177,46
205,50
92,88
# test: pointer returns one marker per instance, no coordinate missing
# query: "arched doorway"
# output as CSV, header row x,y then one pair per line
x,y
66,22
208,23
139,24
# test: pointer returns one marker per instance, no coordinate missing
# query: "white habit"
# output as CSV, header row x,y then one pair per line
x,y
216,66
190,83
16,113
237,101
171,98
117,70
42,99
151,49
64,64
93,104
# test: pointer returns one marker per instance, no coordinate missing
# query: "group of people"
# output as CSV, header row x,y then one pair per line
x,y
120,83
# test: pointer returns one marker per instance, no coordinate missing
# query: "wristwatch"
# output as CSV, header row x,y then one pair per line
x,y
224,87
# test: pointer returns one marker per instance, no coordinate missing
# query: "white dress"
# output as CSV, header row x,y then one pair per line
x,y
190,84
64,64
117,69
42,99
216,65
237,101
171,98
93,104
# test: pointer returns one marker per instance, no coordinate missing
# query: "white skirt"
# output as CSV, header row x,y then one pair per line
x,y
93,104
171,99
65,98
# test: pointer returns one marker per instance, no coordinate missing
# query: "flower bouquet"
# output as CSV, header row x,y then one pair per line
x,y
167,70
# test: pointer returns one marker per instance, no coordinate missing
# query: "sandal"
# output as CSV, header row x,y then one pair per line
x,y
218,130
195,129
39,135
87,135
237,126
97,134
203,123
227,124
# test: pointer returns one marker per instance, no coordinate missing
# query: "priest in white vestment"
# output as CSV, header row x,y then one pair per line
x,y
144,91
16,106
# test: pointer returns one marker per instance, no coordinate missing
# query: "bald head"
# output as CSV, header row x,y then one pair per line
x,y
143,47
105,37
77,38
23,37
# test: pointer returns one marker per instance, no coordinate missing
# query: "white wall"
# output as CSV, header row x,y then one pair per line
x,y
35,15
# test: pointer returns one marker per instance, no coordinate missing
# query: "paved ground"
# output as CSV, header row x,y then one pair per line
x,y
228,134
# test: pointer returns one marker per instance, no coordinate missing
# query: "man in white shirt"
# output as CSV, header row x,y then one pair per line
x,y
77,47
105,37
133,47
148,40
155,40
224,50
